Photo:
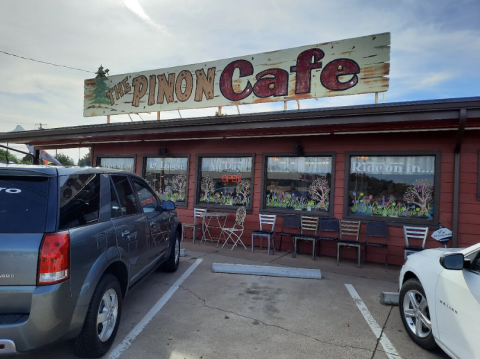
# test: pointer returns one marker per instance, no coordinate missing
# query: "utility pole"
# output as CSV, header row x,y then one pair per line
x,y
40,125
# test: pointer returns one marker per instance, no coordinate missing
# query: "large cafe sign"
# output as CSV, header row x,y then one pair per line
x,y
346,67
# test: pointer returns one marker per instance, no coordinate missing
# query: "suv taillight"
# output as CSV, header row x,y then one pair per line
x,y
54,260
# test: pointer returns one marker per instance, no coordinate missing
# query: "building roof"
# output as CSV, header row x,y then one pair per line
x,y
427,115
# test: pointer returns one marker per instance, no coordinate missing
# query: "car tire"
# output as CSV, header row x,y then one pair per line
x,y
105,307
171,265
415,314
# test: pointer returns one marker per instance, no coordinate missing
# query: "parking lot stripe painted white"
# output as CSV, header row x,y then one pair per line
x,y
119,349
386,344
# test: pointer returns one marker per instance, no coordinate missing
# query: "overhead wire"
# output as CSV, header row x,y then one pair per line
x,y
44,62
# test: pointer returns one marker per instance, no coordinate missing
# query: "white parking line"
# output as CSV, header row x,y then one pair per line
x,y
120,348
386,344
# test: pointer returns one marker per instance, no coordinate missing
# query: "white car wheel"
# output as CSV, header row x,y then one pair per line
x,y
415,314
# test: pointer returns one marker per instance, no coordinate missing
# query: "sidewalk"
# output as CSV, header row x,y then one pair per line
x,y
284,258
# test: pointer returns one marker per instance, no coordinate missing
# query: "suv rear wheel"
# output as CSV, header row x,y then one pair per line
x,y
102,320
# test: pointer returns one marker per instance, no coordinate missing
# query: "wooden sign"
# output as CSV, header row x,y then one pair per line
x,y
346,67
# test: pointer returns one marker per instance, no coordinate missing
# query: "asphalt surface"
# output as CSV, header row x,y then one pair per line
x,y
216,315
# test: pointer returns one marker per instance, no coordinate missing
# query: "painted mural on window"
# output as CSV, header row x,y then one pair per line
x,y
226,180
119,163
393,186
168,177
298,183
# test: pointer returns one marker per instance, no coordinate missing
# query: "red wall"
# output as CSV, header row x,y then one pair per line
x,y
443,141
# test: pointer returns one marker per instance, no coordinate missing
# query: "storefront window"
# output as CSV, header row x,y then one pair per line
x,y
298,183
168,177
226,181
120,163
392,186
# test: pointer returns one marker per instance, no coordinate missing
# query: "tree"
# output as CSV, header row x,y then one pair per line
x,y
100,92
65,160
11,158
420,193
86,160
319,190
27,159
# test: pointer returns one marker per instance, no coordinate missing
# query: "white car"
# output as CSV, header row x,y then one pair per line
x,y
440,300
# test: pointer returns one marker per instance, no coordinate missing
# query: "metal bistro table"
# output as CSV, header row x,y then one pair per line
x,y
213,220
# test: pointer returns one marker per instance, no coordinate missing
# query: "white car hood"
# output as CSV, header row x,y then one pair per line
x,y
436,252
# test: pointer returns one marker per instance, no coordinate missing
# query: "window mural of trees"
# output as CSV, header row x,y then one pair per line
x,y
225,180
402,189
238,195
168,177
298,183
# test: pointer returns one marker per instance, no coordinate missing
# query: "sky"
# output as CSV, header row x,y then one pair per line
x,y
435,48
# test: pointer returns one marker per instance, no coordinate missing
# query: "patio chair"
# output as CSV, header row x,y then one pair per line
x,y
416,234
267,226
328,230
308,232
350,229
197,222
290,222
377,230
235,233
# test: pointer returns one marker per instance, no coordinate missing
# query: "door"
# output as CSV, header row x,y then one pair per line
x,y
131,226
158,220
458,308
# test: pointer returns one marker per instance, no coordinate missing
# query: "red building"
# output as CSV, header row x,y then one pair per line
x,y
411,163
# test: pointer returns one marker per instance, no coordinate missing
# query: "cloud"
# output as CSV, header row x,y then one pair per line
x,y
135,7
435,47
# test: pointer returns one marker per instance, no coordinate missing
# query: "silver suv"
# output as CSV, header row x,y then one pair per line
x,y
73,241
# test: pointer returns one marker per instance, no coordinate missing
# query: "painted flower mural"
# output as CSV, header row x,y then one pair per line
x,y
318,197
239,195
418,202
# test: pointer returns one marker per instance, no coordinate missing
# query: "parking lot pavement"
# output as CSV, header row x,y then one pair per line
x,y
218,315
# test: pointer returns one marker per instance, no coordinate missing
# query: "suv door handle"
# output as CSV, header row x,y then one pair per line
x,y
125,233
152,224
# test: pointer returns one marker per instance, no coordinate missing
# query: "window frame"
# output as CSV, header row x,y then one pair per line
x,y
99,157
100,201
145,185
180,155
198,177
395,220
138,208
283,211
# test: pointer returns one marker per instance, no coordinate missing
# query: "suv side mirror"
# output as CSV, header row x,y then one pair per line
x,y
168,205
453,261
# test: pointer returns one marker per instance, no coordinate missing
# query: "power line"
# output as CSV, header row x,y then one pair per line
x,y
16,122
44,62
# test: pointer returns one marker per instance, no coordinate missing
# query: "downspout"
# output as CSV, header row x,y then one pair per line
x,y
456,174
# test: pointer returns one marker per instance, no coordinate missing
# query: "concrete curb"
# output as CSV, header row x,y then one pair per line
x,y
389,298
266,270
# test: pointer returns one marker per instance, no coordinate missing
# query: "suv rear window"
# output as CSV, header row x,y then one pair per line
x,y
23,204
79,200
